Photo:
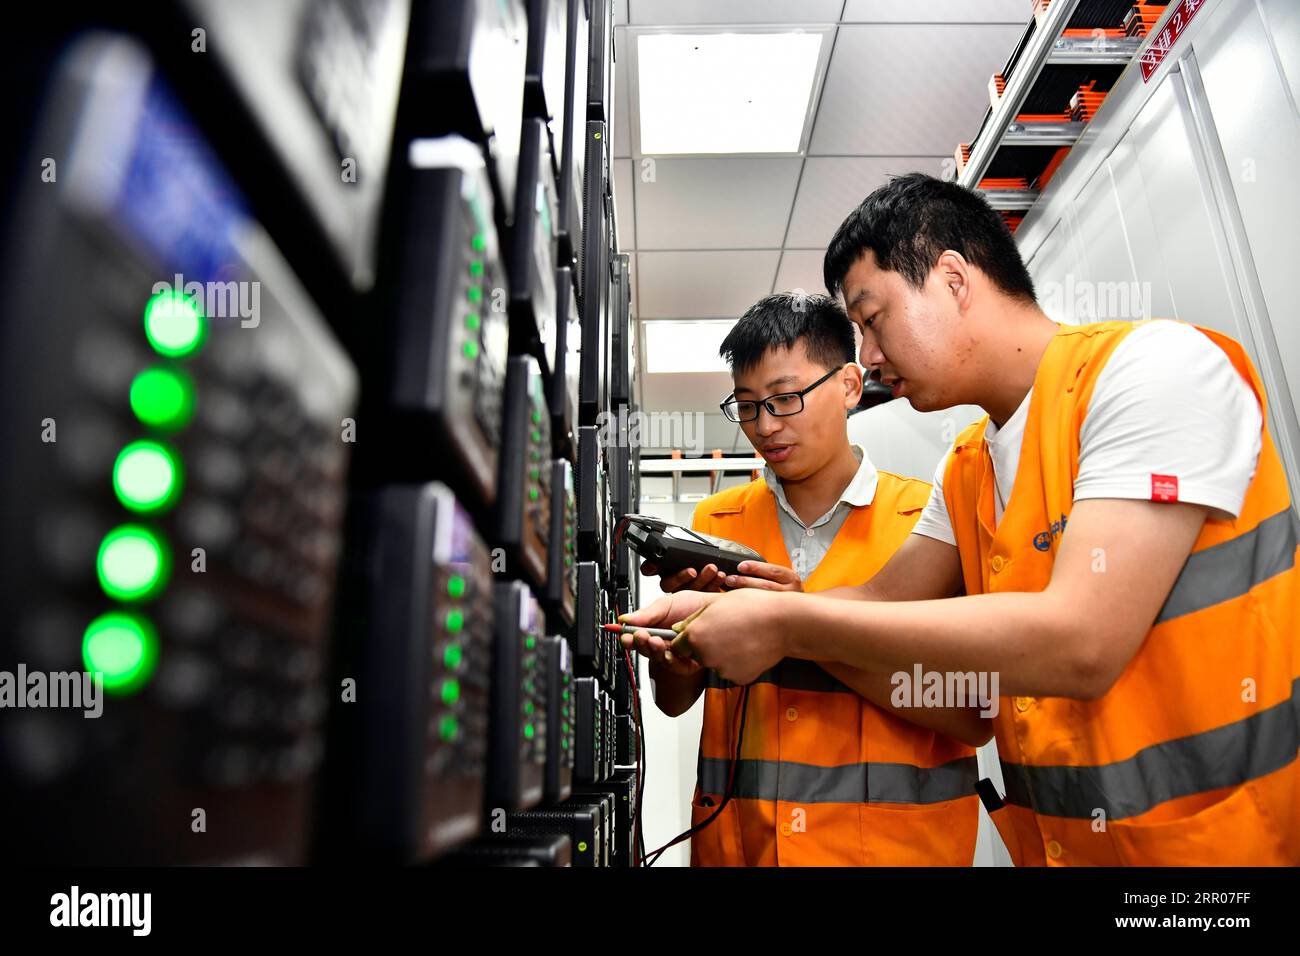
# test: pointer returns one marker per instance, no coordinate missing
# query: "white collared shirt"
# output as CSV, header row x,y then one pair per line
x,y
807,544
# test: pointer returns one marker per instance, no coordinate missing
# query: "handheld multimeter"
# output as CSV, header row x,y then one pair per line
x,y
671,548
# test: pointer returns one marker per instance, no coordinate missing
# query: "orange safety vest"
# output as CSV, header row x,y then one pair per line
x,y
1190,758
826,778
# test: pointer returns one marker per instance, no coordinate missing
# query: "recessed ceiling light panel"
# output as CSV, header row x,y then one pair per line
x,y
690,346
725,92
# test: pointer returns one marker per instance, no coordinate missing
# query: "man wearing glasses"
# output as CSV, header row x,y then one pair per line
x,y
1121,526
830,773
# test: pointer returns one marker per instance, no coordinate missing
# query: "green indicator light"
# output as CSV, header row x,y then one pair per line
x,y
566,695
174,324
537,416
448,727
476,269
455,621
472,322
450,690
528,707
529,732
479,242
564,743
568,562
133,563
146,476
475,294
451,656
582,846
471,350
123,647
532,494
530,642
456,586
163,398
537,435
534,474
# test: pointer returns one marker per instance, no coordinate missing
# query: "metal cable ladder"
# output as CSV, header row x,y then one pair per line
x,y
1071,54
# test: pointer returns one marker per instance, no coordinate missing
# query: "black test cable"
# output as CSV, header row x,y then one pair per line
x,y
726,798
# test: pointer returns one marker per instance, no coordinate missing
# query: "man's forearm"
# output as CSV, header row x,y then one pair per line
x,y
855,592
1025,637
963,723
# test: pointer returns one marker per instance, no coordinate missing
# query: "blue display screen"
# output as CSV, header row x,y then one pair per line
x,y
176,198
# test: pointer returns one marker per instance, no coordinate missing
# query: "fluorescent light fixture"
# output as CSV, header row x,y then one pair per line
x,y
725,92
673,346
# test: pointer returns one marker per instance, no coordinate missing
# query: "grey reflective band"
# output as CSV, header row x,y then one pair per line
x,y
1228,570
1223,757
791,674
848,783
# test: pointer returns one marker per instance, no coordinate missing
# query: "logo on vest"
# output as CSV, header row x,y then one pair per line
x,y
1043,540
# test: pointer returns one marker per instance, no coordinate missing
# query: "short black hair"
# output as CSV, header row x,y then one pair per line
x,y
780,320
911,220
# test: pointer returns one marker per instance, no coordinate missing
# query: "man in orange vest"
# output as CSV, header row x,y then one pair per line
x,y
1122,528
829,772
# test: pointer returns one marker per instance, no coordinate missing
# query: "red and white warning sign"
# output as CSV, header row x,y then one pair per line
x,y
1156,51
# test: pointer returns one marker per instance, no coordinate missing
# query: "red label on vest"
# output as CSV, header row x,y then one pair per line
x,y
1164,487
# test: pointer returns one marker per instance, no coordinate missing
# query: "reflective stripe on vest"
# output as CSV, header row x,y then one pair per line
x,y
851,783
791,673
1228,570
1223,757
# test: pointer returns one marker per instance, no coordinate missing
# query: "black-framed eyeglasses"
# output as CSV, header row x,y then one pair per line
x,y
780,404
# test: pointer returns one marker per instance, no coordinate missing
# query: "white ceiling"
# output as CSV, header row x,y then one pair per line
x,y
906,82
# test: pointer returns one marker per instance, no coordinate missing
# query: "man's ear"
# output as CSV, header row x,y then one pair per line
x,y
852,378
955,273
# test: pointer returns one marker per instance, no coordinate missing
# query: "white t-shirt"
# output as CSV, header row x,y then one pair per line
x,y
1168,402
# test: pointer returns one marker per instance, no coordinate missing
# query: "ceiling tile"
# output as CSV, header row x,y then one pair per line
x,y
622,96
712,203
703,285
624,207
800,269
908,90
831,188
669,12
938,11
668,391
